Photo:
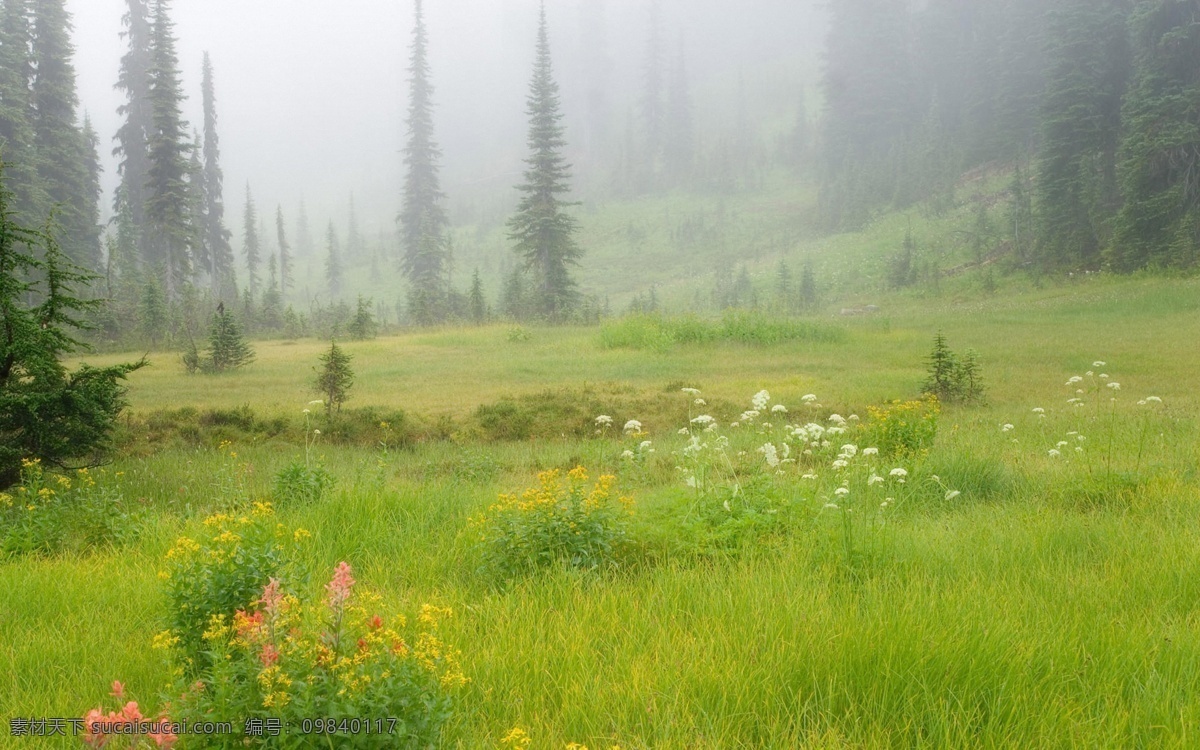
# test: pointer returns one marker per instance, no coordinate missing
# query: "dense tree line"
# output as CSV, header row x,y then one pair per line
x,y
1097,98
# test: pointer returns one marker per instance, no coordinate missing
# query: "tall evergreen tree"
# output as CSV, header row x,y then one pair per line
x,y
16,112
1160,157
679,148
198,209
91,187
1077,176
543,233
286,281
333,262
653,109
304,241
168,231
477,300
250,245
423,220
61,150
133,137
216,235
355,248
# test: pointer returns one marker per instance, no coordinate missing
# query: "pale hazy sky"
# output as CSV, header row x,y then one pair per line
x,y
311,93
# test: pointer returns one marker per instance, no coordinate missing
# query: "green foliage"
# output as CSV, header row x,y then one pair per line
x,y
222,570
334,379
953,379
152,312
48,515
903,429
47,412
542,232
298,483
336,670
659,333
227,346
560,522
363,325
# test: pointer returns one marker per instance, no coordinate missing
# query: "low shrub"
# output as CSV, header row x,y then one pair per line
x,y
333,672
50,514
223,570
561,521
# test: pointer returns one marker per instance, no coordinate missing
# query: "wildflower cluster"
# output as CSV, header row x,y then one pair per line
x,y
52,513
222,570
904,429
563,520
337,658
126,727
518,739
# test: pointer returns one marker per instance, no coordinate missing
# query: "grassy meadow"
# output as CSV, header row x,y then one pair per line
x,y
1012,598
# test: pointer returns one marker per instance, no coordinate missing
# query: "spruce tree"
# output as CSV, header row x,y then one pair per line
x,y
227,347
61,149
354,241
334,379
304,241
544,235
651,104
250,245
477,301
168,231
153,313
679,148
1159,225
271,315
286,281
133,137
17,137
46,411
363,325
333,262
423,220
216,235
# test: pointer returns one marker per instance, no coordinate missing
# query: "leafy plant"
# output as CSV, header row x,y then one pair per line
x,y
299,482
561,521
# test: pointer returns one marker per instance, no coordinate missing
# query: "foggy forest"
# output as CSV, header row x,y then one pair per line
x,y
599,373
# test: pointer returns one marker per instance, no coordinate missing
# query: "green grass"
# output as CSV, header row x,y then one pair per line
x,y
1052,605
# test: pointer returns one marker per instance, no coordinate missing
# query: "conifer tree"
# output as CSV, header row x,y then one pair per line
x,y
304,241
61,149
133,137
152,312
250,245
808,287
354,241
679,148
168,231
16,112
333,262
197,207
423,220
227,347
651,104
1159,225
286,282
363,325
477,301
544,235
334,379
216,235
271,315
91,188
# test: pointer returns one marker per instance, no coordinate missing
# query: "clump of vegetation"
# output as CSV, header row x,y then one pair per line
x,y
334,379
562,521
903,429
658,333
221,571
46,514
333,668
953,379
363,325
299,482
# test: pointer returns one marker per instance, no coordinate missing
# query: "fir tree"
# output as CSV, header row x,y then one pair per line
x,y
16,112
423,221
354,240
216,235
250,245
808,287
651,104
92,190
333,262
197,208
304,241
227,347
271,315
544,235
334,379
46,411
1160,157
286,281
362,325
133,137
153,315
167,229
478,303
61,148
679,148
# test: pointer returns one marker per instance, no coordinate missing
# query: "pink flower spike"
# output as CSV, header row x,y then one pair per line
x,y
271,597
118,690
339,587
